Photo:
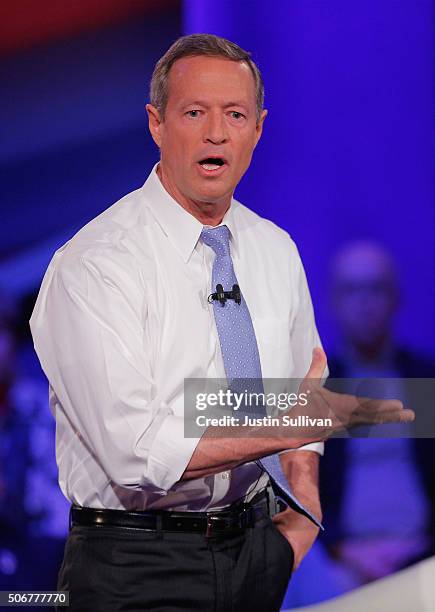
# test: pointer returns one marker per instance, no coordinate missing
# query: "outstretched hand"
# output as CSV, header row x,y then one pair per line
x,y
345,411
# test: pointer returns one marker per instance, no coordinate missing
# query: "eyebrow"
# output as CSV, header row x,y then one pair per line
x,y
227,105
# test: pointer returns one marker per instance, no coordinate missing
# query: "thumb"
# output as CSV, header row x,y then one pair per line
x,y
318,364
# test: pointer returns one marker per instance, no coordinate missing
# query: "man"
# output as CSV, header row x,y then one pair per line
x,y
370,545
160,520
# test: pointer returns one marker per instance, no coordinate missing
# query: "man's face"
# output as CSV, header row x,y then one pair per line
x,y
365,295
209,129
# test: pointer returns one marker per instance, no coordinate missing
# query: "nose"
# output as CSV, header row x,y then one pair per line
x,y
215,129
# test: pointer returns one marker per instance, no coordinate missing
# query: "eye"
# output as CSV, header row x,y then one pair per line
x,y
193,114
236,115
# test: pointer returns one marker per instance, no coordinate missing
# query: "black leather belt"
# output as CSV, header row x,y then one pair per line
x,y
237,517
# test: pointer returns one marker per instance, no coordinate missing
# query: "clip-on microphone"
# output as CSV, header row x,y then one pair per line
x,y
222,296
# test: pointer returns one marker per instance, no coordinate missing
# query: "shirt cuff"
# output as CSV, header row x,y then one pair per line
x,y
170,453
317,447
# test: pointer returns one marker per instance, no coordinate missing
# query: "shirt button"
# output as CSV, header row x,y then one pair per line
x,y
225,475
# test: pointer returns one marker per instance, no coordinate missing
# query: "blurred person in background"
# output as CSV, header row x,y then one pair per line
x,y
33,513
378,494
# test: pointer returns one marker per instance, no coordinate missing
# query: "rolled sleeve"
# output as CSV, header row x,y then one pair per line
x,y
317,447
170,453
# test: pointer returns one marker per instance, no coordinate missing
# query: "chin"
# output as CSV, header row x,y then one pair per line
x,y
213,193
212,198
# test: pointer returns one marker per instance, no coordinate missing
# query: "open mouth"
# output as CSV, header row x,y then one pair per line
x,y
212,163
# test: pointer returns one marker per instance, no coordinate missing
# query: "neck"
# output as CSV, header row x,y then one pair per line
x,y
207,213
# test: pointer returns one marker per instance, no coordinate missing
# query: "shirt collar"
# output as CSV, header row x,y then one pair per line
x,y
182,228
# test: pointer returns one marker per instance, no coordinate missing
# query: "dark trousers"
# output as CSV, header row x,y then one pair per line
x,y
113,569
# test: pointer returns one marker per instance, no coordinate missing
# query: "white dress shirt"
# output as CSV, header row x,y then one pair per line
x,y
122,318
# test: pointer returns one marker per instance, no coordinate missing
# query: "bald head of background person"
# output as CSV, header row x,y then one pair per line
x,y
365,297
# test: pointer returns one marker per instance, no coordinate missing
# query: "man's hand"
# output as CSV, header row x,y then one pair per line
x,y
301,469
225,448
343,410
298,530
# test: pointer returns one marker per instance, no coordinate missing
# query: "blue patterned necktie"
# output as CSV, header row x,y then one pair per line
x,y
240,351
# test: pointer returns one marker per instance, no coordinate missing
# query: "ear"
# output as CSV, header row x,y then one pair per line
x,y
154,123
259,126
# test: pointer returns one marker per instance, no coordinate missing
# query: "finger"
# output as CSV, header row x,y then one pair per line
x,y
387,407
318,364
353,411
407,415
316,370
383,411
379,406
391,415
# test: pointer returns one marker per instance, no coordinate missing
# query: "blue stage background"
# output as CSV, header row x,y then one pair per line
x,y
346,154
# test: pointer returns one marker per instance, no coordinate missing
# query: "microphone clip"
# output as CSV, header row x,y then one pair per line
x,y
222,296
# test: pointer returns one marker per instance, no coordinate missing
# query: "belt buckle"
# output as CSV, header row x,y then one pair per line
x,y
209,529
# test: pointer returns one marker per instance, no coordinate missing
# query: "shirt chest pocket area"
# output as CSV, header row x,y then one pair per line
x,y
273,339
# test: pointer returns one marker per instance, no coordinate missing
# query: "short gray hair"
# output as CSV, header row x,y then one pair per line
x,y
201,44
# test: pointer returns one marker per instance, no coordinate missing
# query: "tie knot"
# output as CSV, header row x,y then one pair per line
x,y
218,238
